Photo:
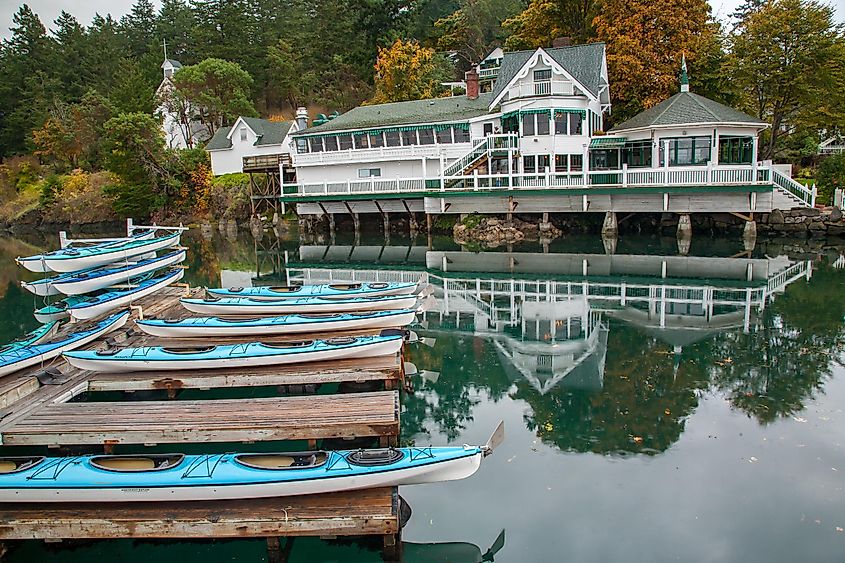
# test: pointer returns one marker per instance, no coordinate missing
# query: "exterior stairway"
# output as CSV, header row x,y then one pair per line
x,y
788,193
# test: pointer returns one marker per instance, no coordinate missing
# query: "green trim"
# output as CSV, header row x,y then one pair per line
x,y
581,112
596,190
436,126
607,142
538,111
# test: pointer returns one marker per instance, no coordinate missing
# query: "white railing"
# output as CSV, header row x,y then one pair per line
x,y
804,195
541,88
491,72
490,143
633,177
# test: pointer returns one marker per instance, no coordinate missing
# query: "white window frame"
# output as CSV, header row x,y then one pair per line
x,y
364,173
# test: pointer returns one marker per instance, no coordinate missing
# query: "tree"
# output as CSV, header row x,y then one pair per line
x,y
218,91
545,20
645,42
289,76
831,176
139,159
474,29
782,61
73,133
407,71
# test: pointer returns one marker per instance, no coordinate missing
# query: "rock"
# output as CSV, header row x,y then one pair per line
x,y
775,217
817,226
835,214
804,212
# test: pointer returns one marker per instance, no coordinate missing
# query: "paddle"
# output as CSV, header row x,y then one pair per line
x,y
495,548
495,440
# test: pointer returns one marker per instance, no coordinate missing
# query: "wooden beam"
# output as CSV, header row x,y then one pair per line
x,y
366,512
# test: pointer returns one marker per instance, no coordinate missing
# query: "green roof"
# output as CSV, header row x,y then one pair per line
x,y
269,133
686,108
607,142
583,62
434,110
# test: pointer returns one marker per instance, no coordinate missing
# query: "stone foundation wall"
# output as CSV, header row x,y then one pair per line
x,y
801,221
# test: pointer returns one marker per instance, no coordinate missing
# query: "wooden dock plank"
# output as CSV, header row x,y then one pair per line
x,y
365,512
383,368
235,420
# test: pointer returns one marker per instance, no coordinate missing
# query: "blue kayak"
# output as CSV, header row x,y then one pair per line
x,y
252,354
245,306
108,300
19,358
37,336
76,259
180,477
335,290
37,263
199,327
59,310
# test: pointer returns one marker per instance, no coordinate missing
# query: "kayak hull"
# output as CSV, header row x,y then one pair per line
x,y
65,264
36,354
155,359
241,306
326,291
290,324
38,263
86,310
78,286
78,481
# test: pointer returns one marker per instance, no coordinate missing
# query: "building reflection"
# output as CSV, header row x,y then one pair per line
x,y
611,352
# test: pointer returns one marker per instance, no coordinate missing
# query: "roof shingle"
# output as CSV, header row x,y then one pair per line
x,y
269,133
434,110
685,108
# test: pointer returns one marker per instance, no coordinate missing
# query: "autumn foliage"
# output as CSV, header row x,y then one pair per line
x,y
408,71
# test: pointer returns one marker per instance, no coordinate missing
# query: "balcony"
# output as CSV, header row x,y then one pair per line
x,y
488,73
542,88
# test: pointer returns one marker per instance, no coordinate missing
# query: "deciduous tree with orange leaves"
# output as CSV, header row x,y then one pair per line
x,y
645,41
408,71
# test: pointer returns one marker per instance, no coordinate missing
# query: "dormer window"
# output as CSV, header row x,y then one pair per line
x,y
541,75
243,133
542,82
168,72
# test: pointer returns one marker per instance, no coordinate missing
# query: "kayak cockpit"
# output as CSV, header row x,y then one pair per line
x,y
297,460
345,286
16,464
137,463
381,456
189,350
285,288
298,344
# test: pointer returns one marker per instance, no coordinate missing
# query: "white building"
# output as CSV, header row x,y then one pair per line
x,y
181,130
538,138
251,138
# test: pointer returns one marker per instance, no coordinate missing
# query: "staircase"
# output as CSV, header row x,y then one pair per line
x,y
481,150
789,193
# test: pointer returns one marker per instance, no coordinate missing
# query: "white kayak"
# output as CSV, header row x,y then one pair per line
x,y
38,262
75,259
329,291
77,283
243,306
252,354
19,358
199,327
90,307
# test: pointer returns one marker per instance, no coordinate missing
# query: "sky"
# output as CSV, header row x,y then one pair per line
x,y
84,10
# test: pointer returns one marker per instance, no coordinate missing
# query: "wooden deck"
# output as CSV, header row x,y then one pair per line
x,y
37,410
315,417
367,512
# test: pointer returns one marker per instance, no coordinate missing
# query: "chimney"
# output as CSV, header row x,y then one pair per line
x,y
471,78
302,118
561,42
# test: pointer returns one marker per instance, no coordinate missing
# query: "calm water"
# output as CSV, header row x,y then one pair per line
x,y
658,408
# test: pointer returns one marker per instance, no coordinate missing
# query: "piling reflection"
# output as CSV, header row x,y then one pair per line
x,y
610,352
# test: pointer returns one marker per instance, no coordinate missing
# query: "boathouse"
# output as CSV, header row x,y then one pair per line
x,y
250,141
536,144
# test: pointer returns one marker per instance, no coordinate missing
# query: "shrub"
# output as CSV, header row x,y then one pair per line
x,y
830,177
50,188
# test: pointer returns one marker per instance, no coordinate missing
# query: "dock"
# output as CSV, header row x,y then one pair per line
x,y
47,407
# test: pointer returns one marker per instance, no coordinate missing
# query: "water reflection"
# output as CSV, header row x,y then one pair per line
x,y
611,352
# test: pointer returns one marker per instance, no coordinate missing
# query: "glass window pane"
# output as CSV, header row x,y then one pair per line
x,y
561,161
316,144
345,142
529,163
575,124
542,162
392,138
560,124
577,162
409,138
376,140
542,124
462,135
362,141
528,125
331,143
302,146
542,74
444,136
426,136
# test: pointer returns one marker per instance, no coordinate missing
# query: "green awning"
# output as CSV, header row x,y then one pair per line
x,y
607,142
581,112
